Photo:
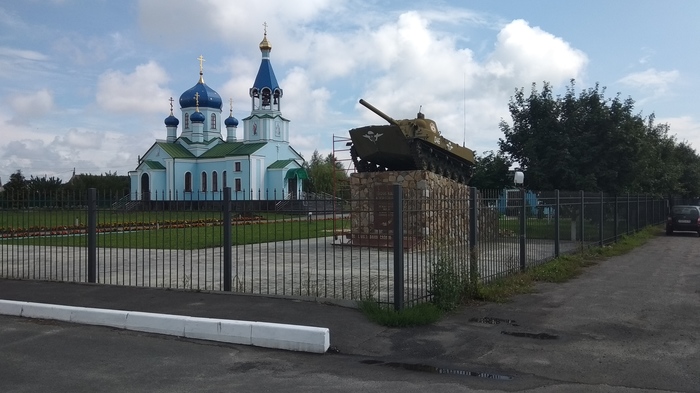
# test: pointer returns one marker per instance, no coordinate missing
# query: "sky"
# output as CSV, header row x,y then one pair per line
x,y
85,84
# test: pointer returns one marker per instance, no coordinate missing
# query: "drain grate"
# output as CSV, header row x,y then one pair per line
x,y
436,370
494,321
539,336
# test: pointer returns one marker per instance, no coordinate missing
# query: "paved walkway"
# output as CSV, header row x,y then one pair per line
x,y
628,324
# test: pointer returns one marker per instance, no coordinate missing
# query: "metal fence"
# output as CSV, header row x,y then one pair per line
x,y
318,246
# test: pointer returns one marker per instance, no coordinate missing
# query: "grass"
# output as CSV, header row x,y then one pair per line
x,y
543,228
502,290
196,237
560,269
418,315
29,218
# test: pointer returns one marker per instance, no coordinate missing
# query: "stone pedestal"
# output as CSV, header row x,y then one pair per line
x,y
435,209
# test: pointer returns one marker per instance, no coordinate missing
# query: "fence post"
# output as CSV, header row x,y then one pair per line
x,y
627,230
92,235
227,239
638,198
523,218
473,239
557,235
398,247
600,225
581,216
615,215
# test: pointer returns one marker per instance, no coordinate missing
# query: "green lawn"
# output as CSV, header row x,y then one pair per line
x,y
544,229
197,237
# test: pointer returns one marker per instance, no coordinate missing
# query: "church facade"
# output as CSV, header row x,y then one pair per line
x,y
208,155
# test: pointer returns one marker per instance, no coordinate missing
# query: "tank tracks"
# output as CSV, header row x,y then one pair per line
x,y
425,157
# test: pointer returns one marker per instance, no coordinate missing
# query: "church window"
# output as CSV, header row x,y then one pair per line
x,y
223,175
188,182
213,121
204,181
238,185
187,120
214,181
237,166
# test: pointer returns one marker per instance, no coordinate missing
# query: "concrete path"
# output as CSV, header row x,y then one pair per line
x,y
628,324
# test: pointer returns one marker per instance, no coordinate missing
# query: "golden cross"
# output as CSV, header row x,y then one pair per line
x,y
265,25
171,105
201,63
230,101
196,100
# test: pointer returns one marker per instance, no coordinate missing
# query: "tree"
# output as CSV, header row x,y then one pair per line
x,y
325,174
491,172
588,142
15,190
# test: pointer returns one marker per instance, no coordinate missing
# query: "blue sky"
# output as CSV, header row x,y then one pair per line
x,y
85,84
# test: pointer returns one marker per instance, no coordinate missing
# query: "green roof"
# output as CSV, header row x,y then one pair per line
x,y
299,173
175,150
280,164
154,164
228,149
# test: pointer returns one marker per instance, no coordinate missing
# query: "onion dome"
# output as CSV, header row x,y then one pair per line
x,y
171,121
197,117
231,122
208,97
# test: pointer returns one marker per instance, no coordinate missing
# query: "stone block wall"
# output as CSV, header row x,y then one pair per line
x,y
437,209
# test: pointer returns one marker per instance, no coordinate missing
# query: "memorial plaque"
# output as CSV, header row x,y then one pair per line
x,y
383,207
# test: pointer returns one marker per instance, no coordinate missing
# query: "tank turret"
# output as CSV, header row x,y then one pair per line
x,y
409,144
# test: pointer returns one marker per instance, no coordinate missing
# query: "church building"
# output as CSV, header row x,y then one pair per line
x,y
203,159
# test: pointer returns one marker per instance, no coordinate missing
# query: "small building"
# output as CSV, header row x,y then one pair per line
x,y
207,154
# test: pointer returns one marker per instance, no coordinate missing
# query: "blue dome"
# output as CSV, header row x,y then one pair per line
x,y
197,117
231,122
208,98
171,121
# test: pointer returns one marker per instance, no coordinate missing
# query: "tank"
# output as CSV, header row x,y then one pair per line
x,y
409,144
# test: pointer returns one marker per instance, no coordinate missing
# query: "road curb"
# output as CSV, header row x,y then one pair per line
x,y
261,334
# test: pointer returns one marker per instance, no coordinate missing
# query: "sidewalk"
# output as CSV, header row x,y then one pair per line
x,y
347,325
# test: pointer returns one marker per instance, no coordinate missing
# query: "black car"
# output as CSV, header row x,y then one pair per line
x,y
683,218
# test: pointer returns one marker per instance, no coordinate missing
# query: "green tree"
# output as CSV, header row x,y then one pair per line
x,y
491,172
16,190
588,142
326,174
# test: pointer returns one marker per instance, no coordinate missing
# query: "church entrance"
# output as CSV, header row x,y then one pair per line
x,y
292,184
145,187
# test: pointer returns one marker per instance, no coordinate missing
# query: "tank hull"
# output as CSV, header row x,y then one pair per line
x,y
387,148
409,144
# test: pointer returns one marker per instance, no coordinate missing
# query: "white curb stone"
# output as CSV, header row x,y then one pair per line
x,y
261,334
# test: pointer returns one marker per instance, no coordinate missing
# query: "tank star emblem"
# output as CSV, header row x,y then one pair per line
x,y
372,136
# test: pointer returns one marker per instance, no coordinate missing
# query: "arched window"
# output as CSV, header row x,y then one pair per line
x,y
213,121
224,179
214,181
204,181
187,120
188,182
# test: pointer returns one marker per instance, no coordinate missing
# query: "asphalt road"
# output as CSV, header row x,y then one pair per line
x,y
628,324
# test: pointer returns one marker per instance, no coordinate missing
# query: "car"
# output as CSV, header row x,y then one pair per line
x,y
683,218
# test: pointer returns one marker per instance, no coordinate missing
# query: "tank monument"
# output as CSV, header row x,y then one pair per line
x,y
433,173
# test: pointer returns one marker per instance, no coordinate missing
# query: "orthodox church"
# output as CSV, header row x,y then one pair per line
x,y
200,161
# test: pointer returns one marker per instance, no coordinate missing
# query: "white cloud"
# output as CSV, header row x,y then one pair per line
x,y
685,128
28,106
526,54
139,92
79,139
651,80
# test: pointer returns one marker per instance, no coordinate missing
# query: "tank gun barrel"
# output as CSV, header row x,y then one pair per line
x,y
379,113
